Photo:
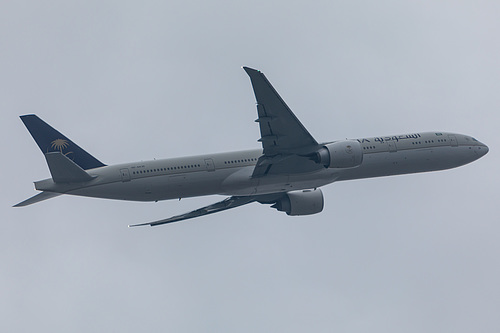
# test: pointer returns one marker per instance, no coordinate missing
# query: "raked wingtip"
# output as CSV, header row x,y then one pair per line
x,y
139,225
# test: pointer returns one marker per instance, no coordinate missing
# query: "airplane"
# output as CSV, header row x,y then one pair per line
x,y
286,173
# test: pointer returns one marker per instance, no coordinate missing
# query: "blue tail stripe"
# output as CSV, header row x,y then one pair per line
x,y
50,140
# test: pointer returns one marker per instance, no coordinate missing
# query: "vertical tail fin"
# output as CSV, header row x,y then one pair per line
x,y
51,140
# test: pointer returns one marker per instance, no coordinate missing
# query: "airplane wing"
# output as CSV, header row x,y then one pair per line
x,y
282,134
281,131
227,203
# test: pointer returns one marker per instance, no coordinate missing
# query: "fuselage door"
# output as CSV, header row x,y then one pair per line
x,y
392,146
125,174
209,164
453,140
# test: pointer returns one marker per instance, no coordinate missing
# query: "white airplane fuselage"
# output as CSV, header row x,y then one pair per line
x,y
231,173
286,173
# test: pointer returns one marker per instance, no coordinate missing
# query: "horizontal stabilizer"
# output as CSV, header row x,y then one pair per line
x,y
64,170
37,198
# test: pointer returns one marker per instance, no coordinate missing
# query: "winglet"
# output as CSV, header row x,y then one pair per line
x,y
250,70
139,225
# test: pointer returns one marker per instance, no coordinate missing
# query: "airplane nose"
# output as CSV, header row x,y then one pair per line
x,y
485,149
482,150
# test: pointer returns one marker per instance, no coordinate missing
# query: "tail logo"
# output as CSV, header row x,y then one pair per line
x,y
59,144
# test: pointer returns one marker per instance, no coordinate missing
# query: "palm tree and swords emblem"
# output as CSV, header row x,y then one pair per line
x,y
60,145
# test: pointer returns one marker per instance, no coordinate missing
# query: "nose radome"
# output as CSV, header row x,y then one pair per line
x,y
486,149
482,149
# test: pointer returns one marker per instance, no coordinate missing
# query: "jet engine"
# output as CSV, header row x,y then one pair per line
x,y
341,154
304,202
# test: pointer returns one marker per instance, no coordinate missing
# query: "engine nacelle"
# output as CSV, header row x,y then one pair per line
x,y
305,202
341,154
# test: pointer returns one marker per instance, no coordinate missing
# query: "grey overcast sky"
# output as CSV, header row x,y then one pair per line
x,y
153,79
